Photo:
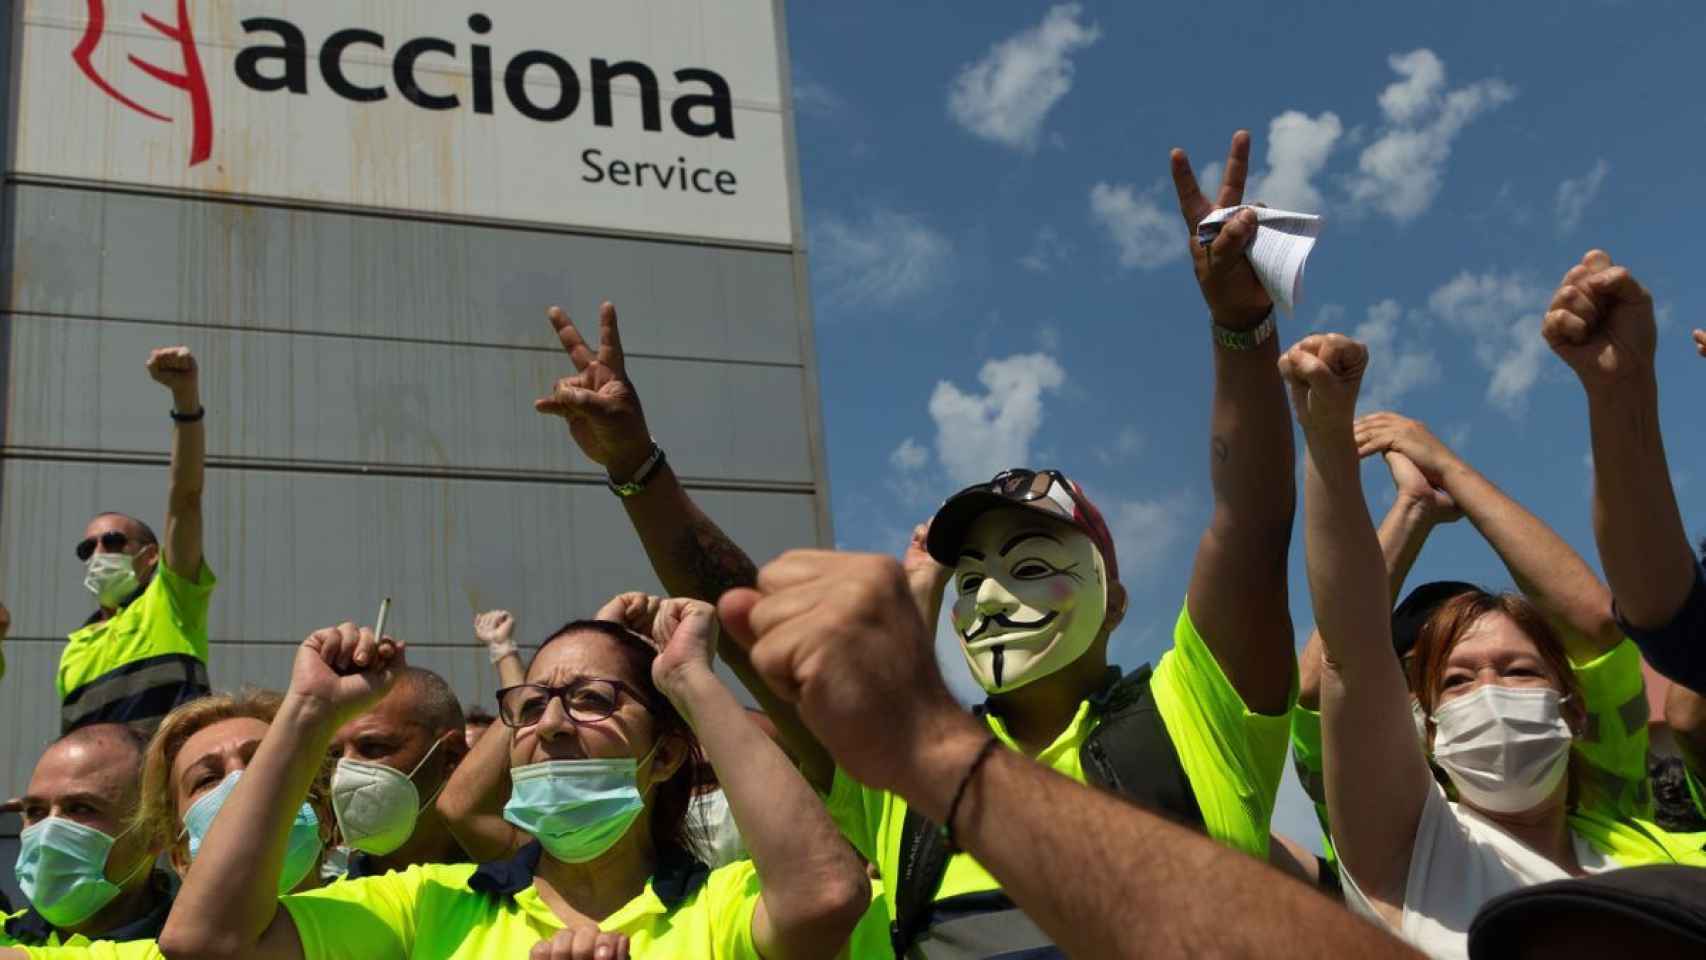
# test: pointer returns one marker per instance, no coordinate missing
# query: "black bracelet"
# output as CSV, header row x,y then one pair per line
x,y
983,754
189,417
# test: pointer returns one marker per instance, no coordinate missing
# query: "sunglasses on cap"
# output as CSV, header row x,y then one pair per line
x,y
113,541
1025,486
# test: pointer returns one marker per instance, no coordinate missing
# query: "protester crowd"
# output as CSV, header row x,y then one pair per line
x,y
1479,760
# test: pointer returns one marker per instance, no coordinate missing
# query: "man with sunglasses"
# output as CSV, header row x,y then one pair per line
x,y
1216,708
144,649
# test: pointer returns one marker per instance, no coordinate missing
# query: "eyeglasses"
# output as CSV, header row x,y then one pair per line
x,y
113,541
587,700
1025,486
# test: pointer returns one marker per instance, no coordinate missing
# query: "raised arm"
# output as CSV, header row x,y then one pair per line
x,y
228,906
837,635
1376,777
1544,567
472,801
1418,507
814,886
690,554
1601,323
175,369
1238,597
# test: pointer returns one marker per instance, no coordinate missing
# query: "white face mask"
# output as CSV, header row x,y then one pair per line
x,y
716,839
1030,597
1420,717
111,577
1506,749
376,805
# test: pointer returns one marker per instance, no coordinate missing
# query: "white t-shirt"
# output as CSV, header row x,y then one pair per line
x,y
1460,861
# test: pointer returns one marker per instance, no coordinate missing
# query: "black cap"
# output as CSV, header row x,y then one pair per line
x,y
1414,610
1667,901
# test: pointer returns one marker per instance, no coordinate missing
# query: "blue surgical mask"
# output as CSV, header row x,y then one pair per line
x,y
62,868
300,855
576,808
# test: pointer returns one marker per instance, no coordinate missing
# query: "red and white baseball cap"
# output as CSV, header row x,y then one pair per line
x,y
1046,491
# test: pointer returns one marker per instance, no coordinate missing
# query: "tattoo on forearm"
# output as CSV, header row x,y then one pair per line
x,y
711,560
1222,452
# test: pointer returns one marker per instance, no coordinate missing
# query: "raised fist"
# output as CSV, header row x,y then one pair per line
x,y
175,369
1601,322
926,577
685,632
495,628
346,669
599,402
582,943
837,634
1236,298
636,610
1324,372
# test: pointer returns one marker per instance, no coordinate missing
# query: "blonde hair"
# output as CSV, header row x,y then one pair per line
x,y
157,814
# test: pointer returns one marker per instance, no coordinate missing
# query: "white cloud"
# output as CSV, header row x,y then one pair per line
x,y
979,435
1329,317
1147,532
1127,444
1006,96
1399,174
1394,368
812,98
1574,195
1298,147
1147,234
883,260
910,456
1500,313
1047,251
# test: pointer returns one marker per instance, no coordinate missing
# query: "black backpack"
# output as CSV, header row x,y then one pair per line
x,y
1129,753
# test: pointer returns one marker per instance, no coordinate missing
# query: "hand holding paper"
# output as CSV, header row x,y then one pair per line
x,y
1279,252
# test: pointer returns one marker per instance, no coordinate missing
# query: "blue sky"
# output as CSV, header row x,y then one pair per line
x,y
999,273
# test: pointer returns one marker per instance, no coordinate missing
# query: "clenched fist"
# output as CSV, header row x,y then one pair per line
x,y
346,670
1324,372
582,943
1601,323
685,633
837,635
599,402
175,369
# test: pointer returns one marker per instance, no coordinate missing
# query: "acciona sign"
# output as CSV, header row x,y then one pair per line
x,y
653,116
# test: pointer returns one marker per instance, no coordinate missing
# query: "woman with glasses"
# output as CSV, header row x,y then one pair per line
x,y
602,739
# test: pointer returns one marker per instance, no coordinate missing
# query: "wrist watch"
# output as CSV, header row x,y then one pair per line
x,y
641,477
1245,339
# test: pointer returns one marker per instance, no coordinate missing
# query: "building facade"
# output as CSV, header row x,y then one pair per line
x,y
357,215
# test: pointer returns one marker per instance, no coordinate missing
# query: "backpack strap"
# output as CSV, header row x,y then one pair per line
x,y
1131,753
923,860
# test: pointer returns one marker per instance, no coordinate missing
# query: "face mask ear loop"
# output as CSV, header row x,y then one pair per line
x,y
434,749
442,783
645,761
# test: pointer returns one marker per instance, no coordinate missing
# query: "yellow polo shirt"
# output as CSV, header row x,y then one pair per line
x,y
1234,759
431,912
100,950
138,664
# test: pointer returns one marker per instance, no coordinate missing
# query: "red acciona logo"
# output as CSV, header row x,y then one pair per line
x,y
188,79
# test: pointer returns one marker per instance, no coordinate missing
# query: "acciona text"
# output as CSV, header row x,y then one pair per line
x,y
706,110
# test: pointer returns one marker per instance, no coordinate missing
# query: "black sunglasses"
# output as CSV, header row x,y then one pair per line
x,y
1023,486
113,541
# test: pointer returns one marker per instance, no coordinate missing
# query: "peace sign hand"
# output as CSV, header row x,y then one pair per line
x,y
1236,299
602,409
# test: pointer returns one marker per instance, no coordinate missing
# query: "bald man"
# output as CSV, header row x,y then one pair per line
x,y
144,649
393,761
87,874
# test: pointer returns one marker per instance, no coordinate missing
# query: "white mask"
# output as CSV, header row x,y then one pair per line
x,y
1030,597
1505,748
111,577
715,837
376,805
1420,717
